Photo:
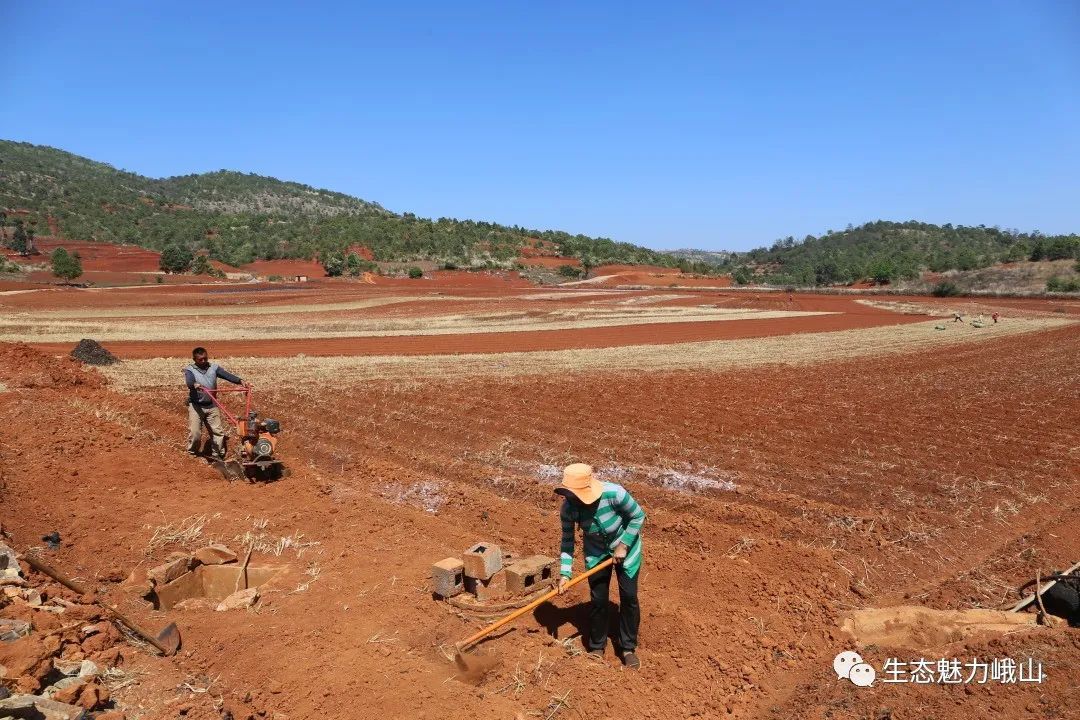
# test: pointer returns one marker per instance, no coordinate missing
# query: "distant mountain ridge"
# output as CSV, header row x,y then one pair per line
x,y
241,217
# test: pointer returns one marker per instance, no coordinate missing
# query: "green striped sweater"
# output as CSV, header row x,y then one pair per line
x,y
617,518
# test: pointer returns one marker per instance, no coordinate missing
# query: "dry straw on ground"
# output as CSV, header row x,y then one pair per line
x,y
795,349
14,329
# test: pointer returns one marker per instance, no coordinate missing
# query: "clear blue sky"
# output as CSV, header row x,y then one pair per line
x,y
716,125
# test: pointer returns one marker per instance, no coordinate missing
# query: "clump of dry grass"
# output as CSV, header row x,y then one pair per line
x,y
182,532
275,545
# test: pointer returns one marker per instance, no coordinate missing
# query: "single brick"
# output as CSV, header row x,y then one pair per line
x,y
531,573
448,577
487,590
482,561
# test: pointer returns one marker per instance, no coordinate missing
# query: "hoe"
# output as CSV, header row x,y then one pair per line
x,y
474,665
252,457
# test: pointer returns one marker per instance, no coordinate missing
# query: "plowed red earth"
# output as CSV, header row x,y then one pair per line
x,y
943,478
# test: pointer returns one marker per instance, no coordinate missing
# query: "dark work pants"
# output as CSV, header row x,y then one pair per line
x,y
629,610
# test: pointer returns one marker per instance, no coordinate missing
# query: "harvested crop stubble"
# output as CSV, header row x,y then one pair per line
x,y
14,329
715,355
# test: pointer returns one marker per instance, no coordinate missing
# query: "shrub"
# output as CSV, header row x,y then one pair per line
x,y
449,265
65,265
883,272
333,264
1060,284
275,278
945,288
569,271
742,275
176,258
415,272
201,266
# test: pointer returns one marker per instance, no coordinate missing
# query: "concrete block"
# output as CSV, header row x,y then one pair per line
x,y
493,588
482,561
531,573
448,577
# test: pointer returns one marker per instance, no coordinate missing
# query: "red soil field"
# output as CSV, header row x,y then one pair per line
x,y
285,268
865,483
102,257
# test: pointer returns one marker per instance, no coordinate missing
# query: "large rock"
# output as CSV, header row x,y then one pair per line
x,y
239,600
28,661
66,690
35,707
215,555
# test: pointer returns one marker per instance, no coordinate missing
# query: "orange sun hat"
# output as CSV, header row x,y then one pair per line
x,y
579,479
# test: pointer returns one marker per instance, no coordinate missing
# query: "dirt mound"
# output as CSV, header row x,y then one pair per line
x,y
90,352
21,366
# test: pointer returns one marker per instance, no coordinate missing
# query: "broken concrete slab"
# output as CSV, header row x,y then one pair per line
x,y
95,628
239,600
36,707
9,563
482,561
166,573
11,630
487,590
531,573
215,554
212,581
448,577
77,668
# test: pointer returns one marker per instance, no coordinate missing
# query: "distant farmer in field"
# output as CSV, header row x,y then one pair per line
x,y
199,375
610,521
995,316
957,317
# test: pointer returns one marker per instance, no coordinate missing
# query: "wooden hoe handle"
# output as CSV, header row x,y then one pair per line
x,y
43,567
521,611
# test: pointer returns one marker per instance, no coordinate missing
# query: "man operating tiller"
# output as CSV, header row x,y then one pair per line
x,y
202,411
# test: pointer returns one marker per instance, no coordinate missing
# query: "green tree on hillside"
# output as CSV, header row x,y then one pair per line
x,y
333,263
883,272
18,238
65,265
176,258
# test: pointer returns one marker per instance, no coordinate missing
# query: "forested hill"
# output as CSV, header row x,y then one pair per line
x,y
886,251
240,218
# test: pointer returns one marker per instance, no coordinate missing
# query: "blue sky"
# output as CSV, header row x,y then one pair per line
x,y
713,125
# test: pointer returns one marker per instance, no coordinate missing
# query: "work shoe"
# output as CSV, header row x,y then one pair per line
x,y
631,661
598,653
